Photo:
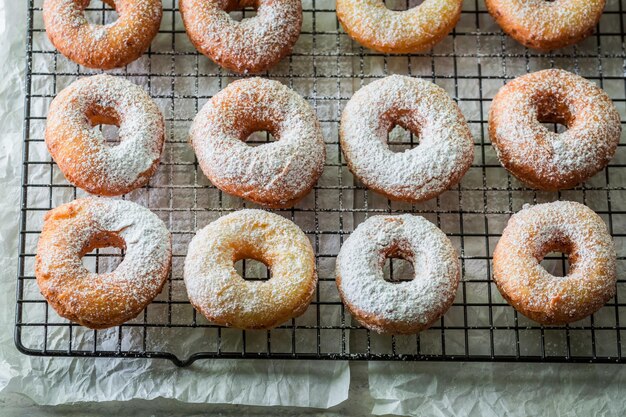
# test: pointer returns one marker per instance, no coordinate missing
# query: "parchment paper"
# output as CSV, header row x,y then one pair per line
x,y
56,381
496,390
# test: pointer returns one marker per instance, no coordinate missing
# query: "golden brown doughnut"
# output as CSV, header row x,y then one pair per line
x,y
445,151
562,226
544,159
276,174
397,307
97,46
218,292
80,150
373,25
250,46
546,25
109,299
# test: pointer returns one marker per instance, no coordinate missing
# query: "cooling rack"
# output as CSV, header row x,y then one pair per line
x,y
326,68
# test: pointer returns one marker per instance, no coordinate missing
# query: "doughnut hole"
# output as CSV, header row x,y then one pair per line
x,y
398,263
107,121
402,5
259,132
556,263
557,256
239,10
403,130
260,137
400,139
104,254
101,12
252,269
552,112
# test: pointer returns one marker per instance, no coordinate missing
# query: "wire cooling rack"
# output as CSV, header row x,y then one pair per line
x,y
326,68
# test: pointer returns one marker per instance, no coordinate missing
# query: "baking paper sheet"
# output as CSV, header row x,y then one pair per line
x,y
496,390
56,381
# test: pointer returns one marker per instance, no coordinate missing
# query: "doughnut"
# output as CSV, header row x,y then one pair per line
x,y
397,307
562,226
217,291
81,152
275,174
539,157
102,46
250,46
446,147
373,25
108,299
546,24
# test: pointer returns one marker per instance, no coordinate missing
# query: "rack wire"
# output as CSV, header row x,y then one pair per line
x,y
326,67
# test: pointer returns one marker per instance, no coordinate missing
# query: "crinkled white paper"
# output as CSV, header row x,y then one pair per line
x,y
496,390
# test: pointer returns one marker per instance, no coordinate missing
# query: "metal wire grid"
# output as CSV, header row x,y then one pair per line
x,y
326,68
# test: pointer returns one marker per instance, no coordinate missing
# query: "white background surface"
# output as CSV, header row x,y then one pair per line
x,y
410,389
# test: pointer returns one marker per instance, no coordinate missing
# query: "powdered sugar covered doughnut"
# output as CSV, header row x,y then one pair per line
x,y
276,174
102,46
250,46
374,26
546,25
224,297
445,150
544,159
403,307
562,226
80,150
108,299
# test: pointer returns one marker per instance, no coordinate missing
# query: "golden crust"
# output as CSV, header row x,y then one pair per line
x,y
83,157
251,46
109,299
544,25
562,226
217,291
397,307
544,159
97,46
371,24
274,175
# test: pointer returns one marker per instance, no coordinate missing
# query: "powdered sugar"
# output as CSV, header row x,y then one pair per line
x,y
415,30
217,290
445,151
415,303
559,226
80,150
252,45
72,230
102,46
276,173
547,24
546,159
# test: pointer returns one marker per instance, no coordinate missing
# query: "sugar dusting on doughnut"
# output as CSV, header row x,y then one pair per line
x,y
80,150
405,307
544,159
216,289
375,26
106,299
250,46
276,174
547,25
561,226
445,151
102,46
